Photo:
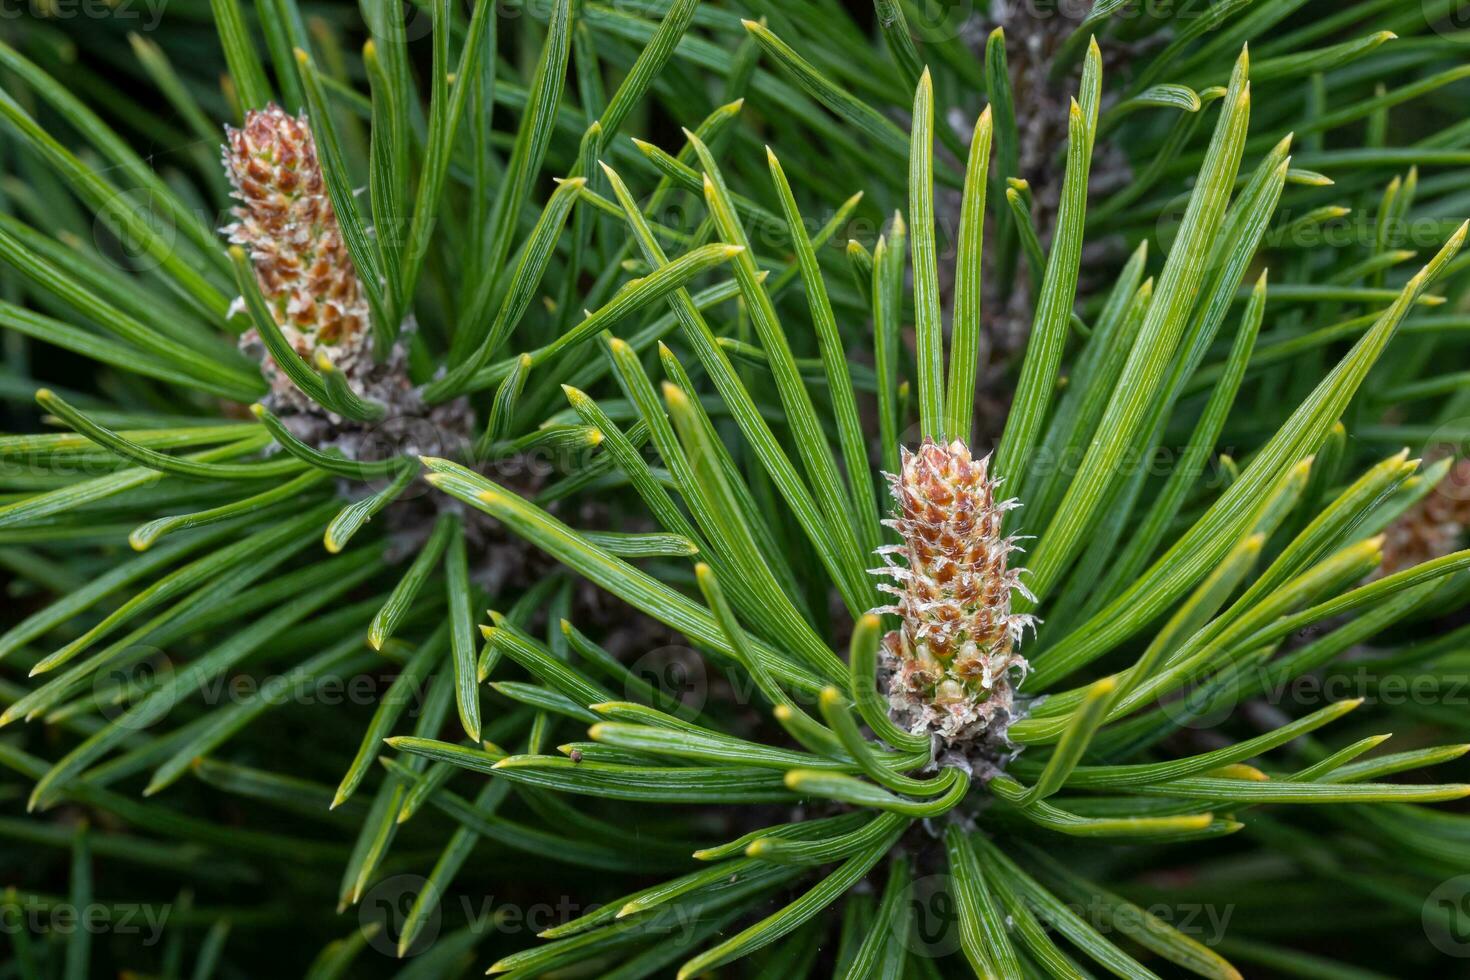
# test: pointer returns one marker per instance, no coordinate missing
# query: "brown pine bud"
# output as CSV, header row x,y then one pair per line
x,y
286,222
953,659
1433,527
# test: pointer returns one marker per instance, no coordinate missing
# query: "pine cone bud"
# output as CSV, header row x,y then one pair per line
x,y
953,657
286,222
1433,527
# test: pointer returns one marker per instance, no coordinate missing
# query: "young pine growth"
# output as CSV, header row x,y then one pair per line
x,y
807,805
952,662
287,226
1432,528
286,223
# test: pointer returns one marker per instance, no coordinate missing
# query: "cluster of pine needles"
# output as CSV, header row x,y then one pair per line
x,y
773,488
